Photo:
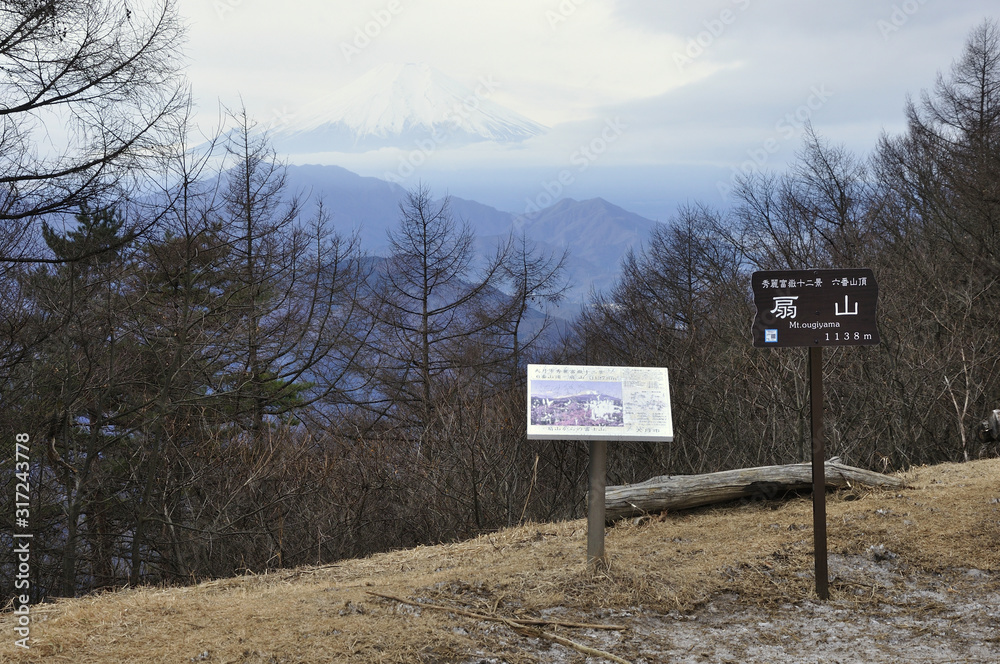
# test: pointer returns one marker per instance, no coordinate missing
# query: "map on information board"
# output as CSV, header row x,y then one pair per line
x,y
573,402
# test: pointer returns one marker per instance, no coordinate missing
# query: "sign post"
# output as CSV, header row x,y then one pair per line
x,y
816,308
818,471
596,558
598,404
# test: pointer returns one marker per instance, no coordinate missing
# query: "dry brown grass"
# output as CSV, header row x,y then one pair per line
x,y
947,522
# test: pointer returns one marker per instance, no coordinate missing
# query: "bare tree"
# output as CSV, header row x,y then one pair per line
x,y
246,321
87,89
437,313
535,281
941,201
817,214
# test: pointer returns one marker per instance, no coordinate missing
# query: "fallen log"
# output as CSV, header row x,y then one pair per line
x,y
686,491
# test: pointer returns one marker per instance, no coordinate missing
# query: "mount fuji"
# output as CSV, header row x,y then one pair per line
x,y
394,105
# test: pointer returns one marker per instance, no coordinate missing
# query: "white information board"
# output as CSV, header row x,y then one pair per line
x,y
573,402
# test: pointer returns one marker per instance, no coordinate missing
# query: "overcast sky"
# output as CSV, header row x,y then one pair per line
x,y
698,88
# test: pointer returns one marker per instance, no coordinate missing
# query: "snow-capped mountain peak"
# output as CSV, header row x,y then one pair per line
x,y
395,103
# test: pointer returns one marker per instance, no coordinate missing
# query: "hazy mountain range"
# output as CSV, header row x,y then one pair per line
x,y
401,115
596,233
410,105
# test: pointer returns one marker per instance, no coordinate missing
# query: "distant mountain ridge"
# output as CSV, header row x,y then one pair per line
x,y
396,105
596,233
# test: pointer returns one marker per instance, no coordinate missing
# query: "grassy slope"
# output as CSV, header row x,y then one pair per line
x,y
947,522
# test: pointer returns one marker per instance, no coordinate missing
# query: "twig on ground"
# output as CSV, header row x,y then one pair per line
x,y
523,622
524,627
579,647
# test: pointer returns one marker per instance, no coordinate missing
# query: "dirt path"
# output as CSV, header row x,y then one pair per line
x,y
932,620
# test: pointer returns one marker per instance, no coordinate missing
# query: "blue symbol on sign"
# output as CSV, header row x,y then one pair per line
x,y
770,336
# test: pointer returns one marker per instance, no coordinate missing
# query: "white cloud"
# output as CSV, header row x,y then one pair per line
x,y
555,60
577,62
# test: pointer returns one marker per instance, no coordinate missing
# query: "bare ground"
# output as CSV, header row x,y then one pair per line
x,y
915,577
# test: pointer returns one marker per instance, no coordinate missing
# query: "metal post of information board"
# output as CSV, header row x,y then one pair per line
x,y
596,560
818,470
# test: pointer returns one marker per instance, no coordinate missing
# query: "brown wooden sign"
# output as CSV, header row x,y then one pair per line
x,y
815,308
